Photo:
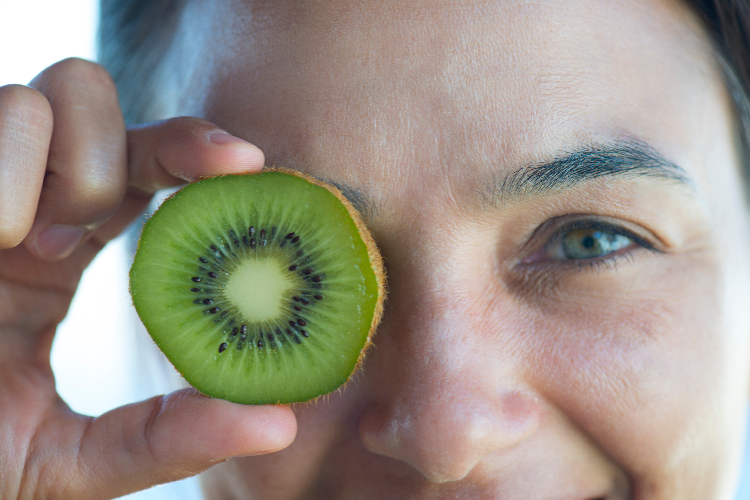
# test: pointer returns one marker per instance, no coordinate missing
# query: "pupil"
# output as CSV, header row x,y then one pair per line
x,y
588,242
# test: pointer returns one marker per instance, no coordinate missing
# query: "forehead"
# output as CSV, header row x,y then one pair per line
x,y
439,94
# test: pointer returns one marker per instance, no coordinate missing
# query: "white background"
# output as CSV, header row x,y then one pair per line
x,y
99,351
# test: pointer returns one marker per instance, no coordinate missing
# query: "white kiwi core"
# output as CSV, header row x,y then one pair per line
x,y
259,288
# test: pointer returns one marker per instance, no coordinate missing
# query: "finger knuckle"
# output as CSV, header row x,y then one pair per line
x,y
24,106
95,186
75,73
150,445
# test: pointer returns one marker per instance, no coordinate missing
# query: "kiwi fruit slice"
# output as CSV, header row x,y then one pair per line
x,y
261,288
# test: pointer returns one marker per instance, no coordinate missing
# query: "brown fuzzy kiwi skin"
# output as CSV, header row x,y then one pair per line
x,y
376,261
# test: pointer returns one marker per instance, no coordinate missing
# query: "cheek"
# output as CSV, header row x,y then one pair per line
x,y
648,365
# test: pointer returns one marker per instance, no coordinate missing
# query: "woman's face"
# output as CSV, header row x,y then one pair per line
x,y
555,189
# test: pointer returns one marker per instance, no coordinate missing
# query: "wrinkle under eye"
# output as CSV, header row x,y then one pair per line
x,y
592,243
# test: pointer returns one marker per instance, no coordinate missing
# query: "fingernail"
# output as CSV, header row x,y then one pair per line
x,y
58,241
221,138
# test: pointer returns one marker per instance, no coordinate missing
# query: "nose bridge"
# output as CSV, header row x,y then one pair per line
x,y
442,401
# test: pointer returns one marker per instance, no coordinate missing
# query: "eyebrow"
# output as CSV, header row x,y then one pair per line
x,y
359,198
625,159
620,159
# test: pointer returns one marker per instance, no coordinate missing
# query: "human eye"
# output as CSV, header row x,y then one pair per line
x,y
587,241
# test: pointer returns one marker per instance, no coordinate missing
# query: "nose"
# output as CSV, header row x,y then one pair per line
x,y
444,399
445,437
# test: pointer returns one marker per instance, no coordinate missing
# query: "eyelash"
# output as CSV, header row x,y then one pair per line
x,y
605,262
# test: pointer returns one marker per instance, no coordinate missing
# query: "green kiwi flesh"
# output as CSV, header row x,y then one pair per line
x,y
262,288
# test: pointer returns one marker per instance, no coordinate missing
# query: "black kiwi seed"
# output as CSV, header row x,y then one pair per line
x,y
205,261
293,267
195,289
252,242
196,279
315,279
295,239
307,271
301,322
318,297
289,236
208,301
304,333
304,301
223,346
213,310
234,331
213,274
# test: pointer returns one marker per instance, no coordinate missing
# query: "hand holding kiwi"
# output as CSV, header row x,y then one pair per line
x,y
261,288
73,178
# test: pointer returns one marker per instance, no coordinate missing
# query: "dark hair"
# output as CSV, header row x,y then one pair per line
x,y
135,36
728,23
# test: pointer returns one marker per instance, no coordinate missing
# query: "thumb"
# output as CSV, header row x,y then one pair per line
x,y
185,149
171,437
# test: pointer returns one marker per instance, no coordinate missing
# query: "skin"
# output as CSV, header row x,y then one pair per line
x,y
500,370
491,378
